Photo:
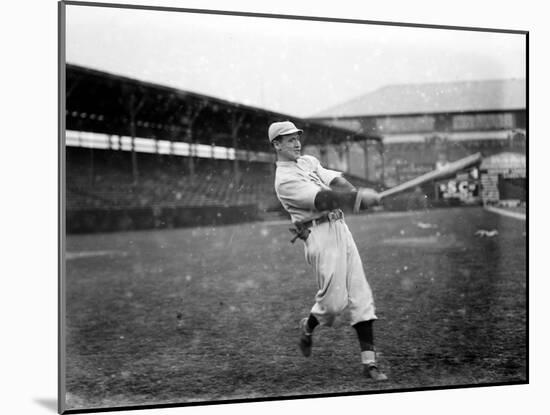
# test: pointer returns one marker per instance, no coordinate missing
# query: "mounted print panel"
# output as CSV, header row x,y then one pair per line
x,y
191,141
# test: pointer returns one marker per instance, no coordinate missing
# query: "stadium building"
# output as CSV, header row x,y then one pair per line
x,y
140,155
423,126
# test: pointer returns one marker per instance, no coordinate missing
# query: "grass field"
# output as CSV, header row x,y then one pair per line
x,y
204,314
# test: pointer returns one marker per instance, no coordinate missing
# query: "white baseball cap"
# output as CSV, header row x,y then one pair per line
x,y
282,128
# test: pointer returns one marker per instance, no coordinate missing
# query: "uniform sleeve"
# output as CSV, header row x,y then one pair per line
x,y
326,175
298,193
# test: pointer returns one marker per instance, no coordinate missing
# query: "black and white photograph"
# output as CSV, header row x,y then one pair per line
x,y
181,179
264,206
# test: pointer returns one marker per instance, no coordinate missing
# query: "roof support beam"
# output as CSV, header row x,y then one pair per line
x,y
134,106
236,123
191,114
366,158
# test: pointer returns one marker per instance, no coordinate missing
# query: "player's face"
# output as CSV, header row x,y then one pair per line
x,y
289,147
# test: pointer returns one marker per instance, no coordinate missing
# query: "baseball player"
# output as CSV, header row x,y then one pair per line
x,y
314,197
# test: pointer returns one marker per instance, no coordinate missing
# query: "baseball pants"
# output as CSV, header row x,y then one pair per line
x,y
331,251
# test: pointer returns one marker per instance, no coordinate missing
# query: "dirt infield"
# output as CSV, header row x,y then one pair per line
x,y
208,314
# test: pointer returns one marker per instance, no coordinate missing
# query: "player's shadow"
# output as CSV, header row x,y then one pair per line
x,y
48,403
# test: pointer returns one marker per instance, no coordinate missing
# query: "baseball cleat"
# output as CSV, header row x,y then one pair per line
x,y
372,372
306,340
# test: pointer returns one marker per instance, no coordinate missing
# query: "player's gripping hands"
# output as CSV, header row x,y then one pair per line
x,y
366,198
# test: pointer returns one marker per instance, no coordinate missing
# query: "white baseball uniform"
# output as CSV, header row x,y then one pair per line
x,y
330,248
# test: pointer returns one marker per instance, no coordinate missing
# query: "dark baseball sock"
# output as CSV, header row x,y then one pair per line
x,y
365,334
312,322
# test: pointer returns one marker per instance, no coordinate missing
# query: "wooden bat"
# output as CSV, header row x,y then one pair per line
x,y
447,170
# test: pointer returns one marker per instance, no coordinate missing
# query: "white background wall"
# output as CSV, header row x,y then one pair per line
x,y
29,231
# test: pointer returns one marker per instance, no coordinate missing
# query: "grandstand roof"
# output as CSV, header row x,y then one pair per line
x,y
429,98
102,102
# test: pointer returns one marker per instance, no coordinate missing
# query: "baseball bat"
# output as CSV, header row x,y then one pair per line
x,y
448,169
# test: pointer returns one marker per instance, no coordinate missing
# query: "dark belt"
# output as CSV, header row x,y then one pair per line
x,y
302,228
327,217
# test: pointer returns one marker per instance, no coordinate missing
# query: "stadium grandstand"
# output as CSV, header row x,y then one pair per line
x,y
423,126
422,123
140,155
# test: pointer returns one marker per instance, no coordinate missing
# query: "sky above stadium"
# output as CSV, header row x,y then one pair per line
x,y
291,66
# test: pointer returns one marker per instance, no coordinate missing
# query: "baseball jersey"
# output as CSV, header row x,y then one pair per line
x,y
298,182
